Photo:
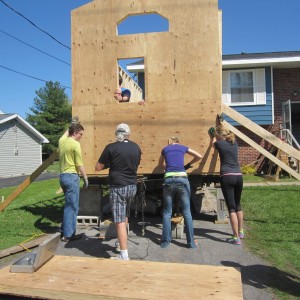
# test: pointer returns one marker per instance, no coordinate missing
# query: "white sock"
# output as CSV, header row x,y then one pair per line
x,y
124,254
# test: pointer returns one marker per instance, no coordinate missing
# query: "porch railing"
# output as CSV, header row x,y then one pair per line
x,y
285,134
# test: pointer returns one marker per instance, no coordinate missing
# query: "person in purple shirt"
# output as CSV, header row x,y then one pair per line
x,y
176,186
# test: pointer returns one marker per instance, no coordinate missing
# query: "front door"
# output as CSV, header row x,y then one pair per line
x,y
291,121
287,117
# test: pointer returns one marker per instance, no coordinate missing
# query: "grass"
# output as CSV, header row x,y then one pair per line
x,y
272,227
271,222
54,167
260,178
35,211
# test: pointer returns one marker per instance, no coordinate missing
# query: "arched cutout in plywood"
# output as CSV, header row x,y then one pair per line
x,y
143,23
130,81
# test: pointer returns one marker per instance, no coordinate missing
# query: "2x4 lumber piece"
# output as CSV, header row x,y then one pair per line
x,y
261,150
258,130
21,247
28,180
177,220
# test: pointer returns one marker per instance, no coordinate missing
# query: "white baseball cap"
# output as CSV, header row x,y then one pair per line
x,y
123,128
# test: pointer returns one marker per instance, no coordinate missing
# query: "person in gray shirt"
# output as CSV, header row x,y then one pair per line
x,y
231,178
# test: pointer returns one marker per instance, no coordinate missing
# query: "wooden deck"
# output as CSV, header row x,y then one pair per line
x,y
69,277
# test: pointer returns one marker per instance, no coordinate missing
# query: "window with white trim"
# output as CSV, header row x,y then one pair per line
x,y
244,87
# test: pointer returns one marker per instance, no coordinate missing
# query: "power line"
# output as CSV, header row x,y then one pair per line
x,y
34,47
67,87
35,25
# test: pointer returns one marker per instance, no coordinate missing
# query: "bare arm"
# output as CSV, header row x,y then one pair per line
x,y
212,141
66,133
161,161
99,166
120,98
82,171
125,98
161,164
196,156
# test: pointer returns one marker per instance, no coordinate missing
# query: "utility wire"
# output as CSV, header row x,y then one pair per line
x,y
34,24
35,48
67,87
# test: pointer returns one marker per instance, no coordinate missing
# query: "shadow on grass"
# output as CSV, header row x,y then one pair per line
x,y
262,277
49,213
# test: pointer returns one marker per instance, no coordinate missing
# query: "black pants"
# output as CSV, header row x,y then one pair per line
x,y
232,186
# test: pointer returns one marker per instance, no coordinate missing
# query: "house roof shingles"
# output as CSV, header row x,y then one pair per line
x,y
7,117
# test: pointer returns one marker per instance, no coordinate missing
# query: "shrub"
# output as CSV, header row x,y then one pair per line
x,y
249,170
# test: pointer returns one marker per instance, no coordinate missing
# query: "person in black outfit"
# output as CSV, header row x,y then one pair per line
x,y
122,158
231,178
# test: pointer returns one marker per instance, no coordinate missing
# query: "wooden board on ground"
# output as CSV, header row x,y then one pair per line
x,y
69,277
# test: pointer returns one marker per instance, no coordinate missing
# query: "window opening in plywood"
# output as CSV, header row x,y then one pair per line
x,y
143,23
131,84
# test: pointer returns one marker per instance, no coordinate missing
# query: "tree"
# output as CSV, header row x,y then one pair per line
x,y
52,111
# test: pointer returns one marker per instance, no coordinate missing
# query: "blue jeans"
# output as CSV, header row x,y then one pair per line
x,y
179,188
70,185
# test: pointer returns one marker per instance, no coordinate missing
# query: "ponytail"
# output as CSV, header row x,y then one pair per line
x,y
225,134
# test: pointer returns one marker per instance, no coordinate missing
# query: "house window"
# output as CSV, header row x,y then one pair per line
x,y
241,87
244,87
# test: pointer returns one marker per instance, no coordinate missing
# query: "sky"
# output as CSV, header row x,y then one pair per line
x,y
35,41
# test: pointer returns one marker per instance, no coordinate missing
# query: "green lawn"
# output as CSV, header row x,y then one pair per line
x,y
35,211
260,178
272,221
54,167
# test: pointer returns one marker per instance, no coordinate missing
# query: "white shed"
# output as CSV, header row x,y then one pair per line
x,y
20,146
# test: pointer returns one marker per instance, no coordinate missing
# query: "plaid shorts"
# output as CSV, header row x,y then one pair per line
x,y
120,199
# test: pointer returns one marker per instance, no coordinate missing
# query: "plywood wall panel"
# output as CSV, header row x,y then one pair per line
x,y
182,76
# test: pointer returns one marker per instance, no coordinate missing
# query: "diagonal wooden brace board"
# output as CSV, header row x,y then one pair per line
x,y
261,150
258,130
29,180
69,277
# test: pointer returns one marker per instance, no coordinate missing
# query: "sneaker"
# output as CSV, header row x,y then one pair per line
x,y
119,257
241,234
234,240
195,246
64,239
117,245
72,238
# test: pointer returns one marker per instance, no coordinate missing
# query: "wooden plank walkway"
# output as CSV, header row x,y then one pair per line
x,y
70,277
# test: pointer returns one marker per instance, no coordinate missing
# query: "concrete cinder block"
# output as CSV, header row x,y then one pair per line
x,y
88,220
177,229
222,212
90,202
